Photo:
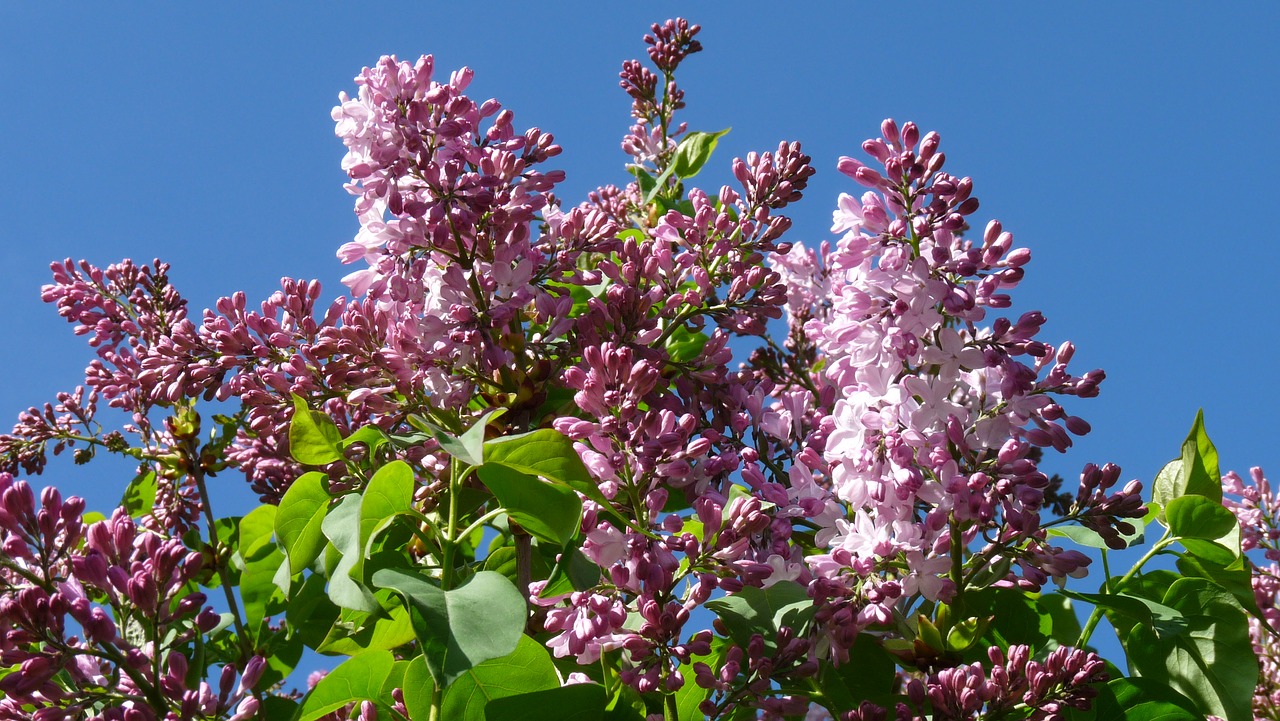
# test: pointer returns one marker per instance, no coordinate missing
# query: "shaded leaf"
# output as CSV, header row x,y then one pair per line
x,y
1064,624
548,454
1211,662
342,527
1140,699
868,675
465,626
1088,537
578,702
140,495
551,512
525,670
1163,620
754,610
299,518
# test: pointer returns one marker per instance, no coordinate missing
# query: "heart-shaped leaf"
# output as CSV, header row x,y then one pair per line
x,y
549,511
314,439
1211,661
525,670
463,627
299,518
359,678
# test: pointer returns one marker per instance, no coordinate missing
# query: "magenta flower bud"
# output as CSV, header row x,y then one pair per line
x,y
15,547
99,627
870,178
252,672
207,620
226,681
1077,425
910,135
51,500
246,710
889,131
189,604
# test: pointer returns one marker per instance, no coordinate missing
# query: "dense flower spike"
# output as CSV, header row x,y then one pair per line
x,y
525,422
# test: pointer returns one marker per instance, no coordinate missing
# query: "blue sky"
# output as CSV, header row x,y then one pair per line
x,y
1130,147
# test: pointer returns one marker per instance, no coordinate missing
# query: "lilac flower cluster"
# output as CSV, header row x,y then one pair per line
x,y
1048,688
930,423
97,621
881,460
1256,507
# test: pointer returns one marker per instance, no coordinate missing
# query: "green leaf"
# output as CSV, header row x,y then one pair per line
x,y
551,512
1211,662
1064,624
359,678
418,687
298,521
694,151
354,632
735,492
754,610
314,439
1195,473
868,675
1088,537
140,495
261,558
684,345
573,572
460,628
691,695
578,702
626,705
389,493
1162,619
1141,699
1205,528
659,184
1199,517
525,670
644,180
467,447
548,454
342,527
372,437
964,634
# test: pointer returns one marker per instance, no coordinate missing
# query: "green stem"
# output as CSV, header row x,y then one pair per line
x,y
671,711
1096,616
246,650
450,544
466,532
957,562
450,540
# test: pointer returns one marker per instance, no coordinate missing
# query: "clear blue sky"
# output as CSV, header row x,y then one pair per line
x,y
1131,147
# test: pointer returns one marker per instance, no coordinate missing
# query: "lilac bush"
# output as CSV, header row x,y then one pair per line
x,y
515,469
